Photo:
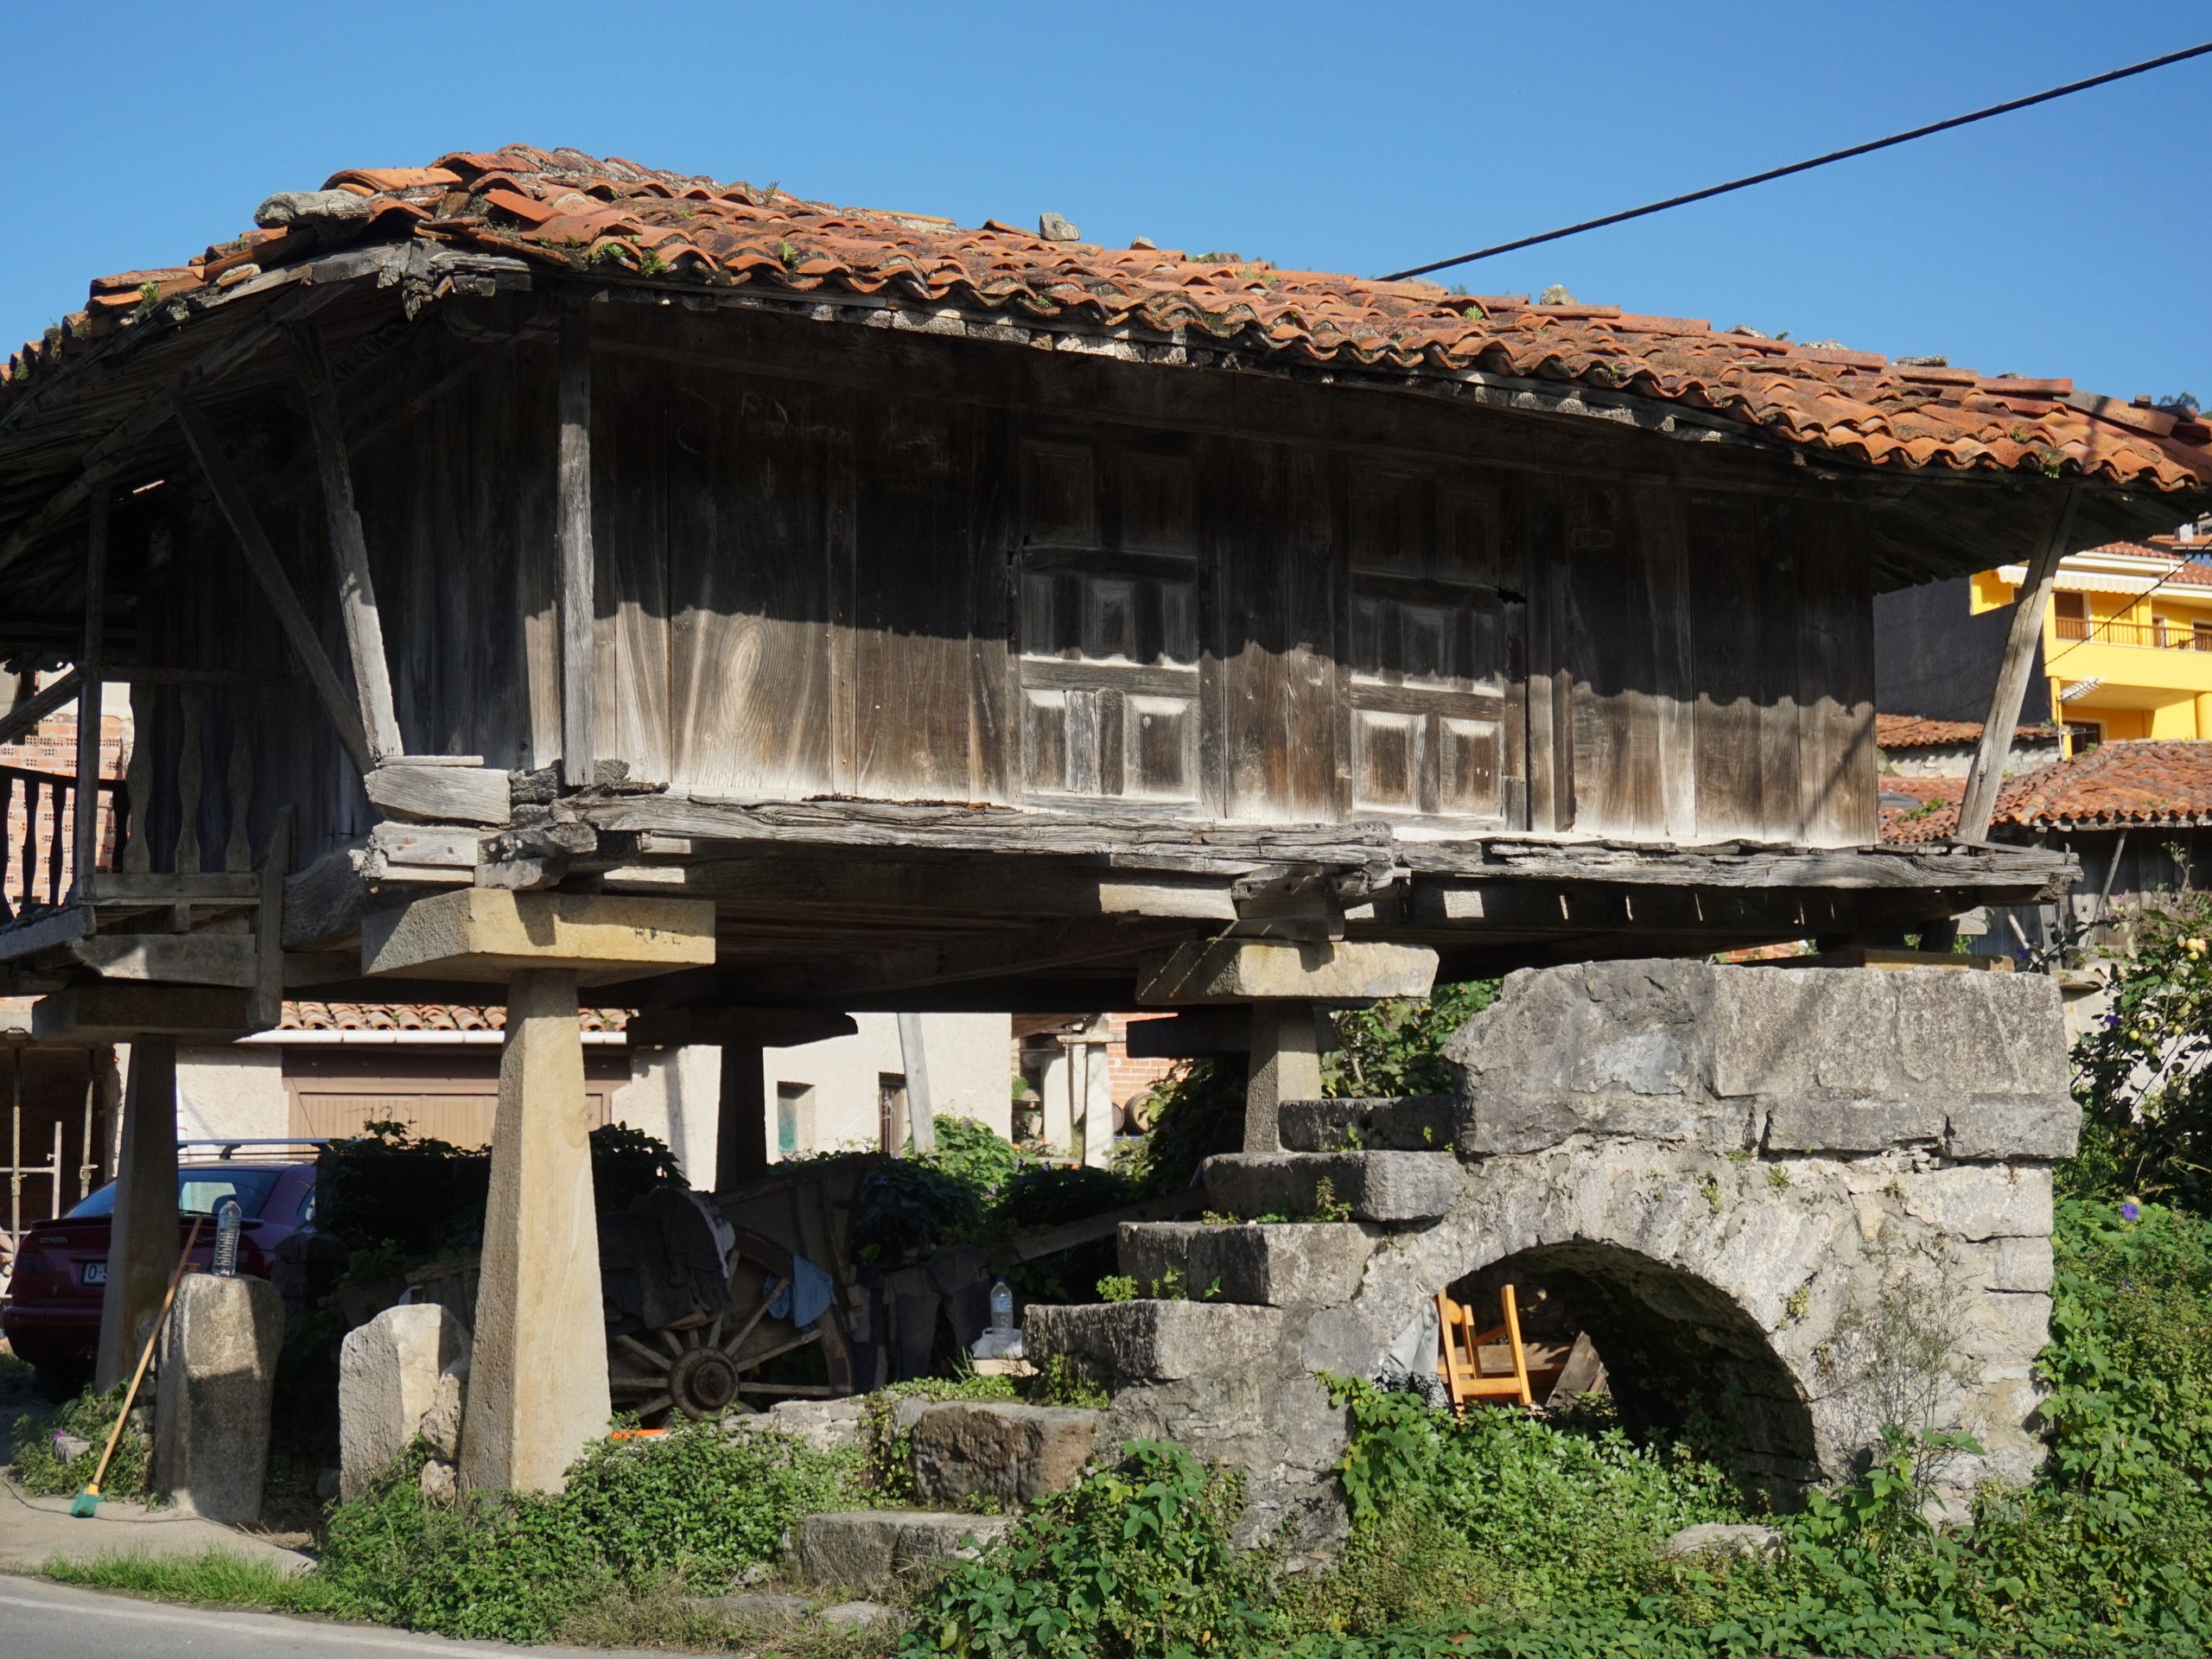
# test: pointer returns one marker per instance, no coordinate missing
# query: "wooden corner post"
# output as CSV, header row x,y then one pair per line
x,y
1977,804
579,603
85,851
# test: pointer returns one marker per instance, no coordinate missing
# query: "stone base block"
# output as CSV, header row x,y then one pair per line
x,y
210,1415
1013,1453
1154,1342
1381,1186
870,1551
1274,1265
824,1425
2037,1128
397,1378
1414,1124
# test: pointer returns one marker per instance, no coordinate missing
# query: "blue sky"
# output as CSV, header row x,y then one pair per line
x,y
2072,239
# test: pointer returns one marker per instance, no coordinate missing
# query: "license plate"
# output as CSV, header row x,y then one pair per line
x,y
95,1273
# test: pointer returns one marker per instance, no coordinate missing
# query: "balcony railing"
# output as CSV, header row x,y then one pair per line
x,y
38,828
2156,636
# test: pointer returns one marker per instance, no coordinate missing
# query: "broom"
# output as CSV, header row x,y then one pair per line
x,y
87,1502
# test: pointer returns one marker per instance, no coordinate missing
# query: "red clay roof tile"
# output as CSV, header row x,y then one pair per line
x,y
2114,786
563,207
1915,731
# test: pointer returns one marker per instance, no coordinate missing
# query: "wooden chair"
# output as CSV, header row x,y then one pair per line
x,y
1460,1364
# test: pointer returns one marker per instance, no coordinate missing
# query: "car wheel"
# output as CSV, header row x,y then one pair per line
x,y
61,1379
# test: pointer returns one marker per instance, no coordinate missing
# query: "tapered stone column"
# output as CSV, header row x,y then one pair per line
x,y
143,1238
537,1373
1286,1065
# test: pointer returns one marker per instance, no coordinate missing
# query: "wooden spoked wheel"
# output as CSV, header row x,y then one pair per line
x,y
704,1365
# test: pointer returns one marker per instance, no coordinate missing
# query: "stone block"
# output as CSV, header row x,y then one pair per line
x,y
1409,1123
489,933
1975,1202
1279,1265
120,1011
2017,1264
1154,1342
821,1425
1381,1186
211,1414
1827,1125
2041,1128
990,1449
1248,970
398,1375
1722,1538
870,1551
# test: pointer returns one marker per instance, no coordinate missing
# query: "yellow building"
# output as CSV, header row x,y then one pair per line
x,y
2128,641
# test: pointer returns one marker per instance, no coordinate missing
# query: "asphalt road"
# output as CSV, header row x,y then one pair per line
x,y
40,1620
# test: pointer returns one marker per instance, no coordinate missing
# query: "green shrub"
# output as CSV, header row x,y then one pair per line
x,y
974,1155
1134,1562
2138,1074
1197,1110
1048,1195
41,1470
1393,1047
698,1504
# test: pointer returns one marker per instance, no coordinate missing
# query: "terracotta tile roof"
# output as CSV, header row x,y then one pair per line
x,y
2113,786
2192,560
617,219
1913,732
422,1016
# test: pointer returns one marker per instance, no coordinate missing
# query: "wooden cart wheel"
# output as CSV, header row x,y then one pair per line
x,y
705,1365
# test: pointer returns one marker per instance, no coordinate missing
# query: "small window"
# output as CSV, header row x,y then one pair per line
x,y
2082,735
2072,614
794,1119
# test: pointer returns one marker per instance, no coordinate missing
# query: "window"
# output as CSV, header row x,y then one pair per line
x,y
2072,612
2082,735
794,1119
199,1190
891,1110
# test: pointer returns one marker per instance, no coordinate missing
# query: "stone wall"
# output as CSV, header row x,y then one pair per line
x,y
1787,1204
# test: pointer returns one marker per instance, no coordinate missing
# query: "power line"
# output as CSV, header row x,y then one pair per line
x,y
1804,167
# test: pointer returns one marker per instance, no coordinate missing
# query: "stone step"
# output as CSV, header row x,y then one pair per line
x,y
1274,1265
1154,1341
1383,1186
871,1551
990,1448
1370,1123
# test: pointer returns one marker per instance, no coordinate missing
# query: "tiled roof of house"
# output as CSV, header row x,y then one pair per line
x,y
615,217
2192,560
422,1016
2114,786
1913,732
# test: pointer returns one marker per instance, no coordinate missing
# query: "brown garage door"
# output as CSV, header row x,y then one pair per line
x,y
447,1094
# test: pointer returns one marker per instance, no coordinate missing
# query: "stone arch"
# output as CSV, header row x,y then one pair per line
x,y
1682,1356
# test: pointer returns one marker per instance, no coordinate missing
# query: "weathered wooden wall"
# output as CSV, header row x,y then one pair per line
x,y
909,576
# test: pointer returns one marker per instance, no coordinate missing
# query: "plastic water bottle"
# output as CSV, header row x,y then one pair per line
x,y
228,1219
1002,1307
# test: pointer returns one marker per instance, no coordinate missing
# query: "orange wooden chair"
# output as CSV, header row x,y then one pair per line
x,y
1460,1364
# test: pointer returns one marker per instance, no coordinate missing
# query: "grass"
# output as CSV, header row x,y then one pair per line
x,y
215,1577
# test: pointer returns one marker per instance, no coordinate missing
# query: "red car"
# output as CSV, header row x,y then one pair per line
x,y
52,1316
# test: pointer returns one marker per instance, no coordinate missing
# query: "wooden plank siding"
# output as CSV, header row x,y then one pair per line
x,y
836,567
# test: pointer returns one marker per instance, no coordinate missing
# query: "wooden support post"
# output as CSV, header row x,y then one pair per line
x,y
1977,804
261,558
265,1007
15,721
1286,1065
921,1115
742,1125
537,1387
349,547
85,851
143,1239
579,605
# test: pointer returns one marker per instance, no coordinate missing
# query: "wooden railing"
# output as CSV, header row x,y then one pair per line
x,y
38,826
2156,636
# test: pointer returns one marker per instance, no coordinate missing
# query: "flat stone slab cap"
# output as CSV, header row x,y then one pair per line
x,y
1247,970
1273,1265
989,1448
871,1550
1377,1185
1728,1538
1154,1341
489,933
115,1012
1381,1123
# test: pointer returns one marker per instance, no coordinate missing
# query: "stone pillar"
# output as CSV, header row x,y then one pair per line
x,y
211,1417
144,1240
1286,1065
395,1375
537,1380
741,1128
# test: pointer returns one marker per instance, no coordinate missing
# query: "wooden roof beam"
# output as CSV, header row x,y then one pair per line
x,y
1977,804
357,592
